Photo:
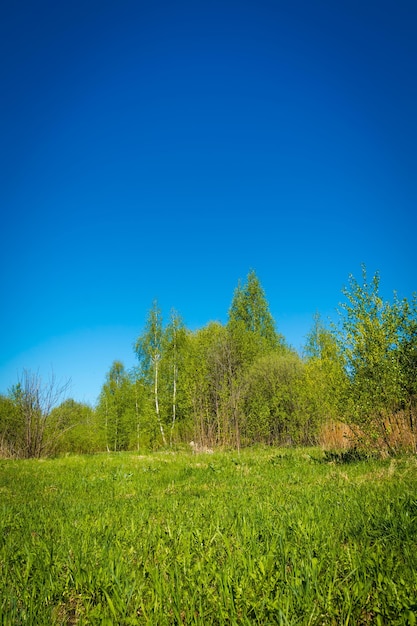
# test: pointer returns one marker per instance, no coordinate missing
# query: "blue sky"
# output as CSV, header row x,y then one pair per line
x,y
164,149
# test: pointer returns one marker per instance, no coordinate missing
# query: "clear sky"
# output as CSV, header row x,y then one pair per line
x,y
165,149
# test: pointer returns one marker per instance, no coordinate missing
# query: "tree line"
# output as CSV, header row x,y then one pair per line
x,y
239,383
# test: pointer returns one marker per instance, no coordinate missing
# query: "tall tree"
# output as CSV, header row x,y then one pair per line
x,y
149,351
250,308
139,393
205,375
405,316
406,313
226,374
325,382
251,335
116,408
175,336
369,339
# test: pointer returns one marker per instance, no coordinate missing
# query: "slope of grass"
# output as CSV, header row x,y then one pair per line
x,y
267,537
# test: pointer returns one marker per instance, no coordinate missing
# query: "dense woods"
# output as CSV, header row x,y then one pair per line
x,y
236,384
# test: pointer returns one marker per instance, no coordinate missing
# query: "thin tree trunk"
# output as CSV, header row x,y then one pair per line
x,y
174,402
158,417
137,417
107,426
116,434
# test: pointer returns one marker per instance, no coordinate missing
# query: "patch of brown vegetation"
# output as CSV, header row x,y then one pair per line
x,y
336,436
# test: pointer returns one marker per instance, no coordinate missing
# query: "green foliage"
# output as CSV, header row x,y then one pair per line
x,y
11,427
161,352
116,409
77,427
325,379
378,345
369,347
269,537
222,358
239,384
406,315
149,345
274,401
250,307
27,429
321,343
350,455
205,381
173,370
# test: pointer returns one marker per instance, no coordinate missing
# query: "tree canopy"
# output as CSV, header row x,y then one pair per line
x,y
240,383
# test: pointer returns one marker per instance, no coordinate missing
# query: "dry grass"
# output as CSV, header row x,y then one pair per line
x,y
336,436
399,435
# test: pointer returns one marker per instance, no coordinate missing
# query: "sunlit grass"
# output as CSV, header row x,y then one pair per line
x,y
267,537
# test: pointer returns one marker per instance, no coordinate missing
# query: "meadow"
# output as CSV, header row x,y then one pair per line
x,y
270,536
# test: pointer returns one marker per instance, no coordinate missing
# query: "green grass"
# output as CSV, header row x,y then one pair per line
x,y
267,537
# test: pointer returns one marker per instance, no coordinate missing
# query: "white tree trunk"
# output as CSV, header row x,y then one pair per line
x,y
174,401
158,417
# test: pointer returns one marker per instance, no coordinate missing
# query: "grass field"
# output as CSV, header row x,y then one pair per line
x,y
266,537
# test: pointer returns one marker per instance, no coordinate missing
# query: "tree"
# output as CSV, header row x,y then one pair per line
x,y
325,376
139,393
215,382
116,408
406,313
225,371
205,376
175,338
34,401
11,428
369,340
273,401
149,350
217,361
76,422
251,335
250,308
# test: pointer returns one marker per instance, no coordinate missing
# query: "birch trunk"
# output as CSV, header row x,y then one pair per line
x,y
158,417
174,401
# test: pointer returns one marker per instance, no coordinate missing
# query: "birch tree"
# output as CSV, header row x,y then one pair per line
x,y
174,343
149,351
